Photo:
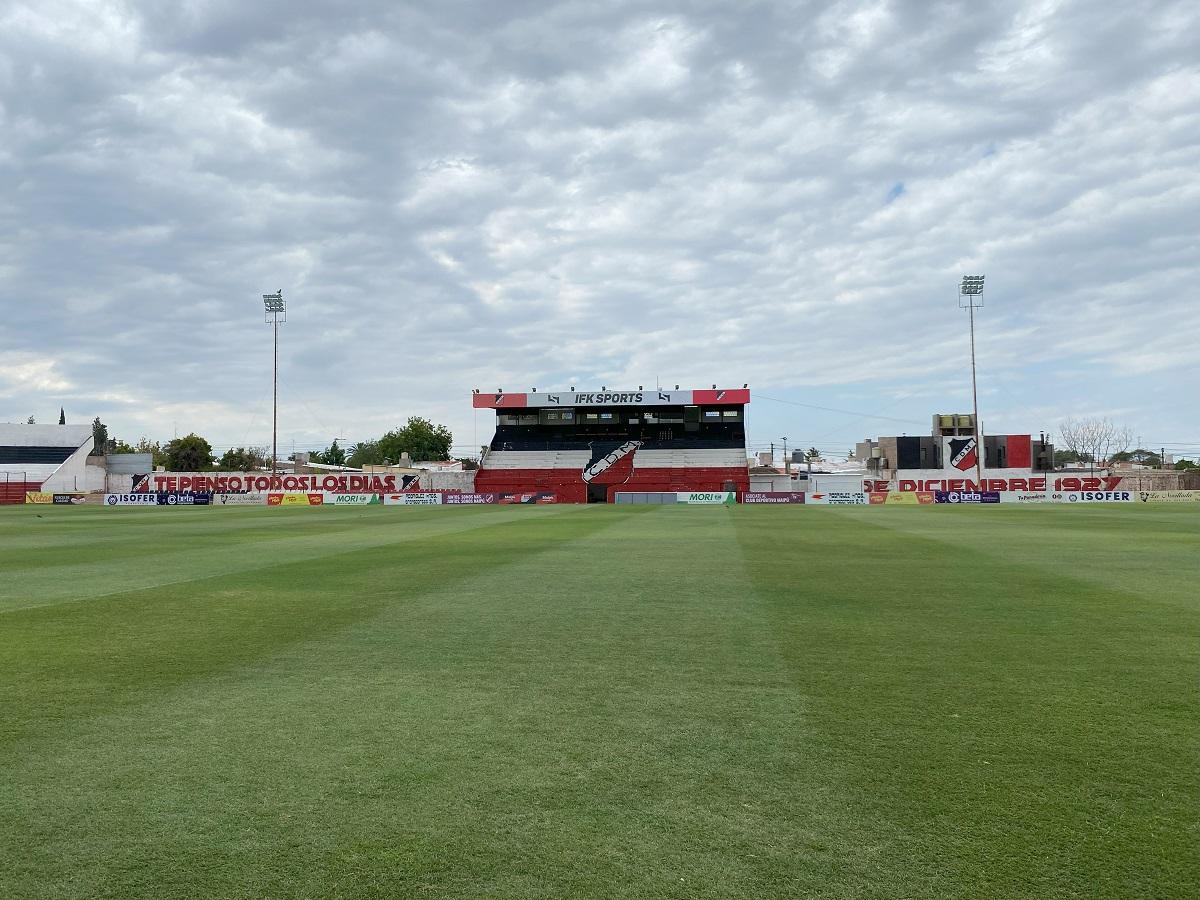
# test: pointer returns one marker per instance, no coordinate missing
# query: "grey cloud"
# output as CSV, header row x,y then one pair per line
x,y
516,194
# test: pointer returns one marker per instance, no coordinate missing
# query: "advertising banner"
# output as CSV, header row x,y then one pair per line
x,y
1169,496
38,497
467,499
295,499
239,499
773,497
658,397
353,499
131,499
1024,497
528,497
184,498
837,498
908,498
710,498
427,498
72,499
966,496
1093,497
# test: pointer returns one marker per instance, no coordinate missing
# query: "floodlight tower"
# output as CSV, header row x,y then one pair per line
x,y
970,298
274,314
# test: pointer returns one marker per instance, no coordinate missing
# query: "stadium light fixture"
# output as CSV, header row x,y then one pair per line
x,y
970,298
274,314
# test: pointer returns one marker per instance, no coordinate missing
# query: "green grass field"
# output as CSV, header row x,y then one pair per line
x,y
600,701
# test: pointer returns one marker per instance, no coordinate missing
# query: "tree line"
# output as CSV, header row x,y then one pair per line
x,y
420,438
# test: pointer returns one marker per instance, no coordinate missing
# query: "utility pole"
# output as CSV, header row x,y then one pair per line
x,y
787,466
274,313
970,296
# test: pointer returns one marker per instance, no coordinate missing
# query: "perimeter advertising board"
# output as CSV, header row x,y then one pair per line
x,y
837,498
468,499
1093,497
38,497
295,499
966,496
1169,496
131,499
773,497
239,499
902,498
427,498
705,498
353,499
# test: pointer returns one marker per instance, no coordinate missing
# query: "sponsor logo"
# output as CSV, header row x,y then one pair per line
x,y
553,398
467,499
38,497
183,498
966,496
1169,496
773,497
913,498
609,397
71,499
597,467
1095,497
352,499
838,498
963,453
664,396
131,499
413,498
530,497
240,499
295,499
705,497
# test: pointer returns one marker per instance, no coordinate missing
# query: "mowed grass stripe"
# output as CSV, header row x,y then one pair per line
x,y
203,543
1010,731
1148,550
598,712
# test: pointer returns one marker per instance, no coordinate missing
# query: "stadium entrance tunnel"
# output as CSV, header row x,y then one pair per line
x,y
597,493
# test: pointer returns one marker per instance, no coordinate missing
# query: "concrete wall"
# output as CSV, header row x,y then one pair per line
x,y
73,475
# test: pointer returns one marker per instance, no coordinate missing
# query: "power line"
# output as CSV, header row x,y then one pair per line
x,y
846,412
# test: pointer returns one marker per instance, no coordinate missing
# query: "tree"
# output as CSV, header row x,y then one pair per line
x,y
1139,456
811,455
62,416
1064,457
243,459
365,453
419,438
1184,465
99,437
116,445
31,421
333,455
1099,438
190,453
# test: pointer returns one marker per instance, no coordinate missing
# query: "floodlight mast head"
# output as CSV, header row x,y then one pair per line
x,y
970,291
274,309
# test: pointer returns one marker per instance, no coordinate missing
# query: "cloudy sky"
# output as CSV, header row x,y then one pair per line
x,y
459,194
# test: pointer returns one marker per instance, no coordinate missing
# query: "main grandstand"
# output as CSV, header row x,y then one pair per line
x,y
587,446
44,458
